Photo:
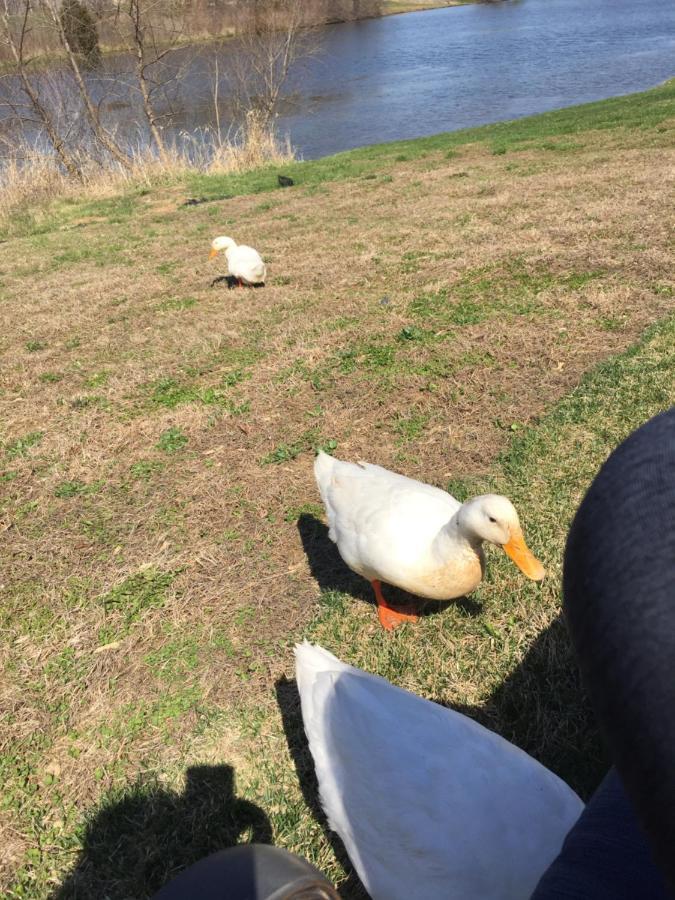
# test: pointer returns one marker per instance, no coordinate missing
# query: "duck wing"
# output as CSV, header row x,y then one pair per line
x,y
246,263
428,803
382,522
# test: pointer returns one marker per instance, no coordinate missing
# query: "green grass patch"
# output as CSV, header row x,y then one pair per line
x,y
142,591
167,267
413,333
177,303
410,428
87,401
172,440
98,379
167,392
20,446
175,659
115,209
508,287
144,469
67,489
293,513
106,254
309,441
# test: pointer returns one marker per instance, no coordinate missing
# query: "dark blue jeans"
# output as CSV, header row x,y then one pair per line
x,y
606,855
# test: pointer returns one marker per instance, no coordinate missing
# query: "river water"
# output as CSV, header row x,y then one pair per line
x,y
421,73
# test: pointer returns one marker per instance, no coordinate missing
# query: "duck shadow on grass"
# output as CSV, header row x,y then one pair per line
x,y
233,282
540,707
332,574
288,700
141,839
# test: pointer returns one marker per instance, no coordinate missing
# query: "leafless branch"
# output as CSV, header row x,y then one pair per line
x,y
16,44
102,135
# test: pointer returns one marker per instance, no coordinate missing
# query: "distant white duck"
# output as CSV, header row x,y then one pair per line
x,y
243,263
428,803
391,528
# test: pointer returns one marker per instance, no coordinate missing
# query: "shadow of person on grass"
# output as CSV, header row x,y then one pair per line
x,y
333,574
148,833
540,707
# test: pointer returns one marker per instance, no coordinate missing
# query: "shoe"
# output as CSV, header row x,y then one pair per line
x,y
250,872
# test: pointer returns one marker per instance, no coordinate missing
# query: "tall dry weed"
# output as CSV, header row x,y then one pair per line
x,y
254,146
31,183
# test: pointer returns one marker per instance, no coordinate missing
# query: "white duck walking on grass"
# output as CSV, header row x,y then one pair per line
x,y
391,528
428,803
243,263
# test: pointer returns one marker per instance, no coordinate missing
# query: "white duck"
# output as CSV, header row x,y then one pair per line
x,y
391,528
428,803
243,263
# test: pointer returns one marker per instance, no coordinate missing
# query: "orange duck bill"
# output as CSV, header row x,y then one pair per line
x,y
523,557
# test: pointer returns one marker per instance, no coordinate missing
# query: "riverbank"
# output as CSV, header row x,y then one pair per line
x,y
208,30
394,7
487,309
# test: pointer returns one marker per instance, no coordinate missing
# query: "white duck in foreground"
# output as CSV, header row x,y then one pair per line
x,y
391,528
243,263
428,803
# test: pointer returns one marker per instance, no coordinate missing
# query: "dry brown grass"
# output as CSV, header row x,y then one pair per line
x,y
567,258
30,182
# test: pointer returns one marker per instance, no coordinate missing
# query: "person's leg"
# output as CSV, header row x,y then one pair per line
x,y
605,856
618,587
250,872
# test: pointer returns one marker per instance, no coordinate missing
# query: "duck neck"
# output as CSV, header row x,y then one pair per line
x,y
454,535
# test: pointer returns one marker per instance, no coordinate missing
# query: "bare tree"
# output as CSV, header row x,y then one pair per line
x,y
153,30
146,54
14,32
273,37
101,134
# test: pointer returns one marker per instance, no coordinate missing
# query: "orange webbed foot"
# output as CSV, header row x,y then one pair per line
x,y
390,617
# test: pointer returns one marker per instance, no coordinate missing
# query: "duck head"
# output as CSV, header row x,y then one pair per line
x,y
493,518
221,243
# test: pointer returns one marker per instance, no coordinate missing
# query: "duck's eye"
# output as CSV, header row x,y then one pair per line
x,y
492,520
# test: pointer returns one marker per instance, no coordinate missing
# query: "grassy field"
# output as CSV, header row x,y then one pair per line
x,y
485,309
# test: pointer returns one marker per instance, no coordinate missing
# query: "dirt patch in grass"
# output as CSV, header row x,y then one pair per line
x,y
158,434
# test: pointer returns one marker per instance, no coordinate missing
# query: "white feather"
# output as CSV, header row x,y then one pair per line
x,y
428,803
